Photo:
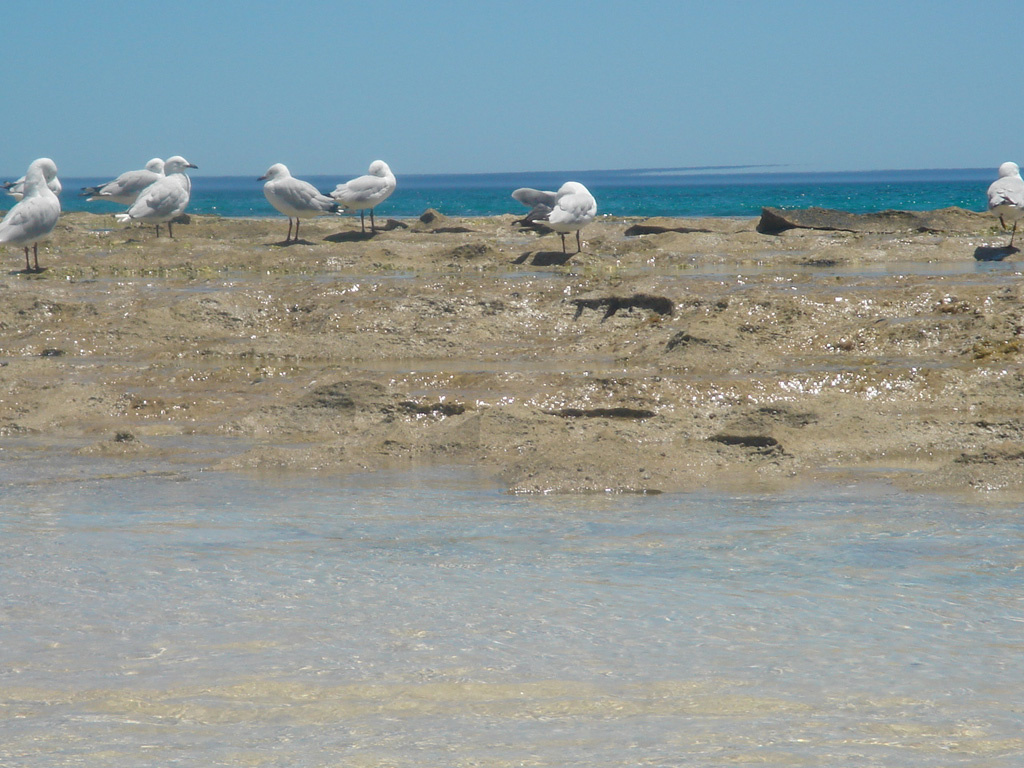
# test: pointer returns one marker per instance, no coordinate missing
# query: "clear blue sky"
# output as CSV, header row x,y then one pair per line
x,y
486,86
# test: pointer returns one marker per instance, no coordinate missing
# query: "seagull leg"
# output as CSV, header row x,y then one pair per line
x,y
579,245
562,235
1013,232
28,267
373,224
35,255
170,232
288,237
362,219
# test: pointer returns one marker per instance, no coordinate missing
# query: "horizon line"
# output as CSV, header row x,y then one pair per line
x,y
723,170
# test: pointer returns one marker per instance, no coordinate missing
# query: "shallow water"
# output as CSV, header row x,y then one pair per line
x,y
428,618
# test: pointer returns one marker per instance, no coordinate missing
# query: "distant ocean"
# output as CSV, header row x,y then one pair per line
x,y
634,192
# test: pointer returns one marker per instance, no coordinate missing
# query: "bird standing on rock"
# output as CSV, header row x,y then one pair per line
x,y
295,198
568,210
165,199
33,218
367,191
1006,197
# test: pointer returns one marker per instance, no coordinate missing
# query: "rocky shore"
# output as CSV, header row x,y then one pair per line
x,y
671,354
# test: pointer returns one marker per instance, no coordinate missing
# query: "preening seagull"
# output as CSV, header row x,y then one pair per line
x,y
366,192
572,209
540,203
33,218
125,188
16,189
1006,197
295,198
165,199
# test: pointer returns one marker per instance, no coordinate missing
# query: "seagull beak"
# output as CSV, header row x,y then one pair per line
x,y
262,178
192,165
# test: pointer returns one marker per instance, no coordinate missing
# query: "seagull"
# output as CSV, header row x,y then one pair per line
x,y
295,198
165,199
1006,197
366,191
538,201
16,189
126,187
573,208
33,218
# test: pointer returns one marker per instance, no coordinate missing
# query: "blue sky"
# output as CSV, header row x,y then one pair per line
x,y
489,86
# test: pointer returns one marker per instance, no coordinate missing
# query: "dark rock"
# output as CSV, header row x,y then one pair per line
x,y
471,251
432,217
621,412
612,304
685,339
343,395
997,253
434,222
659,226
760,442
433,409
776,220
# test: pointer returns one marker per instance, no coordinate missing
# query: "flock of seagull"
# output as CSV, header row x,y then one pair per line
x,y
160,192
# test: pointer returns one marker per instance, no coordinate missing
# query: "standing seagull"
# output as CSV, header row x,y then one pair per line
x,y
33,218
125,188
1006,197
165,199
295,198
16,189
574,208
366,192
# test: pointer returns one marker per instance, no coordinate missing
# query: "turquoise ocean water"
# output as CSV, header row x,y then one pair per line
x,y
635,192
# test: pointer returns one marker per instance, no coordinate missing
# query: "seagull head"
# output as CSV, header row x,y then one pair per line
x,y
46,167
276,171
1009,169
156,165
571,188
379,168
177,164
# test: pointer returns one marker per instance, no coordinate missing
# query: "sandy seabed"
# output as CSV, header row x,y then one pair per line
x,y
670,355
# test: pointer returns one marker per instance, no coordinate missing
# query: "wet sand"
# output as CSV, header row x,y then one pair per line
x,y
670,355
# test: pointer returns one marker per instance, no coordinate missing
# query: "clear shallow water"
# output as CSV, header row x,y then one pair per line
x,y
619,193
429,619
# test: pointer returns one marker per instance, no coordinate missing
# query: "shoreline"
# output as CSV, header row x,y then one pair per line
x,y
696,353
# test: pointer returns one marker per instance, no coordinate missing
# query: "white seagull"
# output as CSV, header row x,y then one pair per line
x,y
295,198
1006,197
574,207
16,189
33,218
125,188
366,191
540,203
165,199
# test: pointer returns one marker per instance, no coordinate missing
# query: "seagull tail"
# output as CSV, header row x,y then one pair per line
x,y
89,191
122,217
